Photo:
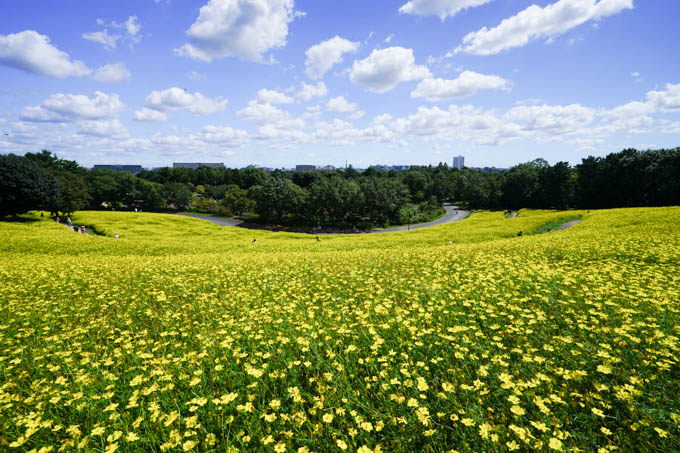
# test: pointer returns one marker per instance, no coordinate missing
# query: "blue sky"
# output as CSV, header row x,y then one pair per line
x,y
285,82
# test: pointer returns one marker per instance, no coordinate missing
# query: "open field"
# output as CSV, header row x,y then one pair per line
x,y
183,335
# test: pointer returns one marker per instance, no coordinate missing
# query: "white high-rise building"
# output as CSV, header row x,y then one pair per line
x,y
458,162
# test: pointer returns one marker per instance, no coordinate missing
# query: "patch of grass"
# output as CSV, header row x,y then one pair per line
x,y
552,225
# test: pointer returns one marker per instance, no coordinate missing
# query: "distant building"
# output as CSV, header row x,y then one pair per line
x,y
326,168
391,167
134,169
458,162
305,168
197,165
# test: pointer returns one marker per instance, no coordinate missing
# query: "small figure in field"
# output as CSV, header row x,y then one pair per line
x,y
58,219
520,234
82,229
76,229
317,239
450,242
115,236
254,241
68,220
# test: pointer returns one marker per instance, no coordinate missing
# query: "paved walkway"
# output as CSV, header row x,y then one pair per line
x,y
453,214
221,221
568,224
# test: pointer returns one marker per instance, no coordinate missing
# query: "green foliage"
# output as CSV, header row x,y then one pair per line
x,y
24,186
72,193
177,196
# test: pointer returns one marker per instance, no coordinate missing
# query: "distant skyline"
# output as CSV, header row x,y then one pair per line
x,y
284,82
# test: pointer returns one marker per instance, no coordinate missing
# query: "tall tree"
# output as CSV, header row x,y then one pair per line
x,y
24,185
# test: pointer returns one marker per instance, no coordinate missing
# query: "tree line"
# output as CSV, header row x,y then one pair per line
x,y
343,197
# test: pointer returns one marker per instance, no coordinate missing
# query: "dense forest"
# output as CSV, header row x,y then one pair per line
x,y
341,198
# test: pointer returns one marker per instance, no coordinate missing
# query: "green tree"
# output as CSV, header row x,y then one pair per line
x,y
236,200
24,185
334,201
72,193
274,198
177,195
383,198
102,187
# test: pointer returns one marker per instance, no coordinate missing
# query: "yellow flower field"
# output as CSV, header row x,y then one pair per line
x,y
185,336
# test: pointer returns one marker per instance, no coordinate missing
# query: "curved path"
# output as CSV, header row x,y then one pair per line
x,y
221,221
453,214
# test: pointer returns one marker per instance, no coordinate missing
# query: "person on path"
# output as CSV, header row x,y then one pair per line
x,y
317,239
68,220
82,229
58,219
115,235
520,234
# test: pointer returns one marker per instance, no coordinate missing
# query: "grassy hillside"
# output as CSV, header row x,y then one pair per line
x,y
182,335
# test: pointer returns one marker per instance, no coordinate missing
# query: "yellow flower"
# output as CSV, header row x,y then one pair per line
x,y
341,444
110,448
280,447
98,431
467,421
661,432
364,449
517,410
605,431
327,418
512,445
367,426
131,437
604,369
555,443
189,445
598,412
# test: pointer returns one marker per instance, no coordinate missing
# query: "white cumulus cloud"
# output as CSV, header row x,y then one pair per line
x,y
340,105
262,113
668,100
103,128
536,22
224,136
174,99
274,97
150,115
112,73
103,37
321,57
244,29
71,107
386,68
32,52
307,91
467,84
440,8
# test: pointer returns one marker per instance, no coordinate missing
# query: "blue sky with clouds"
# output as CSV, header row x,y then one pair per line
x,y
285,82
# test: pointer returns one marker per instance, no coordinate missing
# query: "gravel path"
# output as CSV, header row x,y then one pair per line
x,y
568,224
453,214
221,221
